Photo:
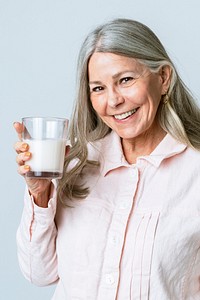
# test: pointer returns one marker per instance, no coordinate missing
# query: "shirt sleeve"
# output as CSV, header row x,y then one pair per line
x,y
36,241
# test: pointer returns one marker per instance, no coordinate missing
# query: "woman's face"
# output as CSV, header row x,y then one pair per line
x,y
124,93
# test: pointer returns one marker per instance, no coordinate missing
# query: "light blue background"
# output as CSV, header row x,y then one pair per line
x,y
39,43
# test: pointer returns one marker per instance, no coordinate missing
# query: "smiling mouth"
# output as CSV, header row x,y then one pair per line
x,y
126,114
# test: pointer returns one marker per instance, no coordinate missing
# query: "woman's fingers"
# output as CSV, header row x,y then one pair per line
x,y
19,129
22,170
21,147
22,158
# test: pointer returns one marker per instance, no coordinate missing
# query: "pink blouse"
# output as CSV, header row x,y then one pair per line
x,y
136,236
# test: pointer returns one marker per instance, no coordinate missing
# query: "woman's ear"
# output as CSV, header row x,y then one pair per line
x,y
165,73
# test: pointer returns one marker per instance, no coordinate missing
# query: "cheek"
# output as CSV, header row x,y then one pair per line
x,y
138,95
151,97
155,92
131,93
99,105
155,100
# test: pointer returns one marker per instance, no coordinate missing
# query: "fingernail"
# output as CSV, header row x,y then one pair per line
x,y
27,154
24,146
26,167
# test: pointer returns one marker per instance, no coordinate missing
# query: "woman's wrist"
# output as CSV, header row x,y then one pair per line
x,y
41,199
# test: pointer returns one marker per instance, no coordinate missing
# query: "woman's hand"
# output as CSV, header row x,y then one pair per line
x,y
38,188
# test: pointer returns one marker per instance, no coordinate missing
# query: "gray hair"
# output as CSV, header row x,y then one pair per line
x,y
180,116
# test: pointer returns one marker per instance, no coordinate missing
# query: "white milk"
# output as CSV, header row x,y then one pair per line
x,y
47,155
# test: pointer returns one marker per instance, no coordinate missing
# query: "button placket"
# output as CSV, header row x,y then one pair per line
x,y
117,233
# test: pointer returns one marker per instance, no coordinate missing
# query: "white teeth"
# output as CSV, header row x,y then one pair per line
x,y
125,115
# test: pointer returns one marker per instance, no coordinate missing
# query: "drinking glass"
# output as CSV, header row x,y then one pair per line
x,y
46,137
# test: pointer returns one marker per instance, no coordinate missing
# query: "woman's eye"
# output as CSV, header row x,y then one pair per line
x,y
97,89
126,79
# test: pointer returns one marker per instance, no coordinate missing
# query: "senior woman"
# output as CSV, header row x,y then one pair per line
x,y
124,221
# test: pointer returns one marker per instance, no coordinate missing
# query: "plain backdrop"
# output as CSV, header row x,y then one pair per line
x,y
39,44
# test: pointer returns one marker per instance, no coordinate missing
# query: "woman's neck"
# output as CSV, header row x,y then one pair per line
x,y
142,145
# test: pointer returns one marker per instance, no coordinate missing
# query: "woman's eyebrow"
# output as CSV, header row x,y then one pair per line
x,y
122,73
95,82
114,76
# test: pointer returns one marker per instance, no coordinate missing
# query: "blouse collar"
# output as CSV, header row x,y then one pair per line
x,y
110,153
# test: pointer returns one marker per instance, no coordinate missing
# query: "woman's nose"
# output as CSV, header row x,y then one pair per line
x,y
114,98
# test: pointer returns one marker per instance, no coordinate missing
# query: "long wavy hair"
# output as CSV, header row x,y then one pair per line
x,y
180,116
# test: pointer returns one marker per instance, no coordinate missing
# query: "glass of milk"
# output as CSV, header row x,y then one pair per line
x,y
46,138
